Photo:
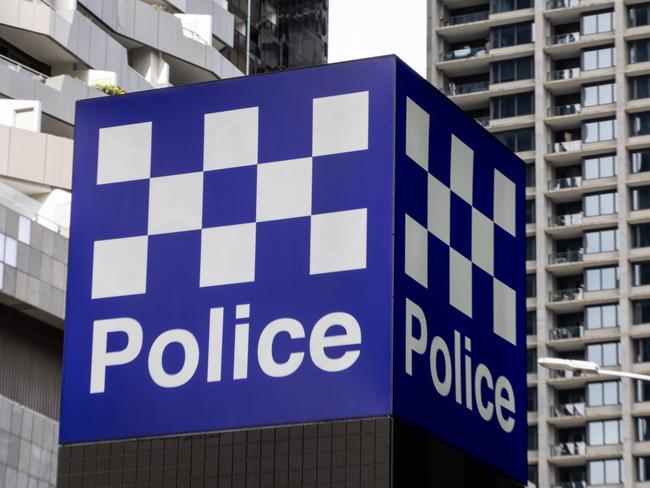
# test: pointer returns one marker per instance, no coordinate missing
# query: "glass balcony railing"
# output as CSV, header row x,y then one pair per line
x,y
553,4
569,449
571,484
566,146
465,88
563,74
566,219
569,109
484,121
564,183
568,332
464,53
562,374
573,256
21,68
566,294
564,38
466,18
569,410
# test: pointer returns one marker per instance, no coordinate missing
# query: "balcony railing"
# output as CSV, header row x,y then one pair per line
x,y
566,146
563,257
566,295
564,38
570,332
562,374
571,484
466,18
569,410
569,449
464,53
484,121
21,68
569,109
464,88
564,220
563,74
564,183
553,4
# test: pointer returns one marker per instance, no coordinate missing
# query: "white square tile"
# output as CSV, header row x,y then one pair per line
x,y
439,209
11,251
284,189
228,255
482,242
462,169
124,153
230,138
120,267
340,124
338,241
460,282
175,203
505,312
417,133
505,202
416,249
24,229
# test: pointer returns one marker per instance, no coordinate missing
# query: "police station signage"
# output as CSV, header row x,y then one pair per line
x,y
329,243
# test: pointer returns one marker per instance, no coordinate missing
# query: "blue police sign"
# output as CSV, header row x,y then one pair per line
x,y
329,243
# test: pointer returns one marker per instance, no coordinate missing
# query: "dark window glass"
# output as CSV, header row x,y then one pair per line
x,y
531,360
641,198
531,323
512,34
532,438
641,273
530,248
532,475
509,5
518,140
531,286
639,87
638,15
512,70
643,466
512,105
640,161
531,399
641,311
640,124
642,350
642,391
638,51
530,175
530,211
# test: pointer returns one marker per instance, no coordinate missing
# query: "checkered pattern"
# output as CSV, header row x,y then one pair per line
x,y
338,240
439,219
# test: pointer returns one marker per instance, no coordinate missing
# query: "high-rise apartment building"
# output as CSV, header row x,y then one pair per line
x,y
53,53
566,85
283,34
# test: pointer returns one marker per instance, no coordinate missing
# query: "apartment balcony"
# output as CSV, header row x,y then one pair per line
x,y
565,220
566,257
559,9
571,484
466,18
568,415
562,110
562,39
566,295
571,79
569,116
563,74
566,449
568,332
463,53
564,147
484,121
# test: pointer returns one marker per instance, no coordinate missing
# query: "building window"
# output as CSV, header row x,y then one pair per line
x,y
640,124
531,285
599,167
642,391
605,240
602,316
639,87
604,354
640,198
512,35
509,5
518,140
641,273
599,130
642,350
531,323
512,105
640,235
532,438
599,94
531,360
597,58
530,175
603,393
597,279
604,432
530,211
530,248
643,467
532,475
593,23
641,311
512,70
638,51
642,430
640,161
638,15
601,204
605,472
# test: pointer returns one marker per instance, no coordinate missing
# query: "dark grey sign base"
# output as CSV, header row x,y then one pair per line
x,y
380,452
